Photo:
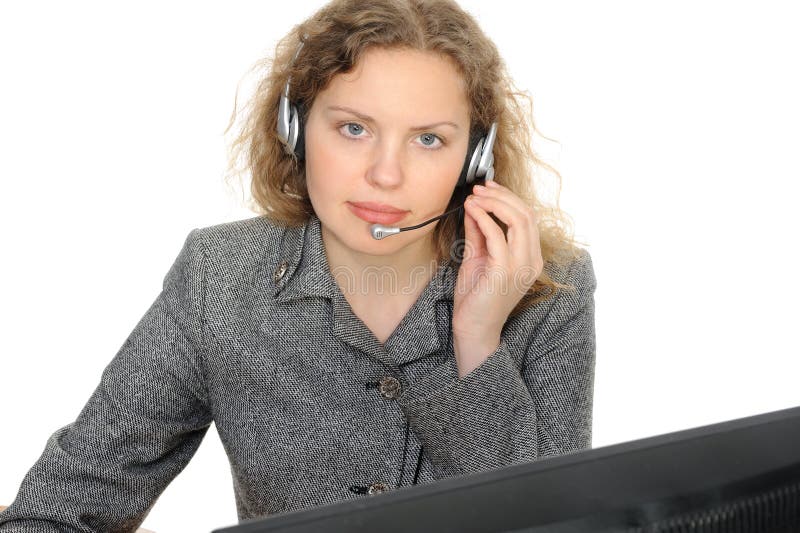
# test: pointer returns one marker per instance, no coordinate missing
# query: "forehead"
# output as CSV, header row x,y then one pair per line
x,y
400,79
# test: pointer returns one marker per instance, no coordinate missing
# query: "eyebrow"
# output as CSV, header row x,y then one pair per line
x,y
367,118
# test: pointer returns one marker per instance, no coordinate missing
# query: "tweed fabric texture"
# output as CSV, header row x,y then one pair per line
x,y
252,333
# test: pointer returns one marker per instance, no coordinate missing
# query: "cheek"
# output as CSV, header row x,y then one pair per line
x,y
445,185
326,160
451,164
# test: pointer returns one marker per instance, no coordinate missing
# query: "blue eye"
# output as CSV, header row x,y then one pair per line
x,y
358,126
354,130
431,137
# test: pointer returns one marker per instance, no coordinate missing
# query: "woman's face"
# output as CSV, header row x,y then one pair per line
x,y
402,143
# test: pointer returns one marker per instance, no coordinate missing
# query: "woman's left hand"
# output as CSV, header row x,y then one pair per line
x,y
495,274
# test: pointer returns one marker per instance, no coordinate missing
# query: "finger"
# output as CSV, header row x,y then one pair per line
x,y
508,196
495,240
519,226
495,190
475,241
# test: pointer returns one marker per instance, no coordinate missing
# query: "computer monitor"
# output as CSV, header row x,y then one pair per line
x,y
741,475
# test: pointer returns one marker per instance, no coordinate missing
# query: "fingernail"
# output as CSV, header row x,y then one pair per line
x,y
491,183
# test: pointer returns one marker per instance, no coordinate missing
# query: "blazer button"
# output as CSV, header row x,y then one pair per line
x,y
377,488
280,271
389,387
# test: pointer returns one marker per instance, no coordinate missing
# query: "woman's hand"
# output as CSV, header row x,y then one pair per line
x,y
494,274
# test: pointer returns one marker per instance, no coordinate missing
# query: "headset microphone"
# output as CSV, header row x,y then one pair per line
x,y
379,231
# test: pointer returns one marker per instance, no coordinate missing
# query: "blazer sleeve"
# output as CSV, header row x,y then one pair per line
x,y
500,413
140,426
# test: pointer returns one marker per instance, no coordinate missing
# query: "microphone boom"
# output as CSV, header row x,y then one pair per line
x,y
379,231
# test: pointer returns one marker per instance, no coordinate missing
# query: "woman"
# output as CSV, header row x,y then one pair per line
x,y
323,383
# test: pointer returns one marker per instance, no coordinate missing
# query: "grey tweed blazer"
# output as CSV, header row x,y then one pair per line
x,y
251,332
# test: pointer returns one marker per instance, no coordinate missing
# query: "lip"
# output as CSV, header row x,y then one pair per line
x,y
376,213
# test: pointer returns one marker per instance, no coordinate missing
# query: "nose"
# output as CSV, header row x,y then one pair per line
x,y
387,168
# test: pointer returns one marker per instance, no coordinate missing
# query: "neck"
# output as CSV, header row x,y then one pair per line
x,y
403,274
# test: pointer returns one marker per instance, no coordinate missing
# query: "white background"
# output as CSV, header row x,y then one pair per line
x,y
678,132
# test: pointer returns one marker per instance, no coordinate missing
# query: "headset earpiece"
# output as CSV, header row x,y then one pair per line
x,y
300,141
290,117
485,168
480,159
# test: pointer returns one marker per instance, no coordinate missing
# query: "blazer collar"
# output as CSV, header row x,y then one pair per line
x,y
301,269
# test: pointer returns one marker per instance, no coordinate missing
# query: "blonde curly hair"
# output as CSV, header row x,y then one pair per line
x,y
337,35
